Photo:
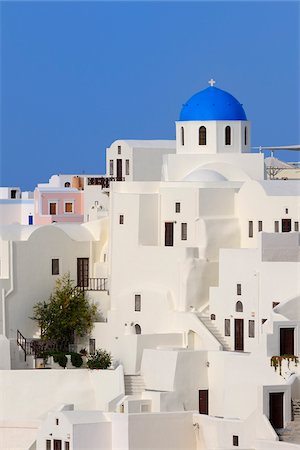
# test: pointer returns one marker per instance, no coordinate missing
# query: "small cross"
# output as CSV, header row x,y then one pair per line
x,y
211,82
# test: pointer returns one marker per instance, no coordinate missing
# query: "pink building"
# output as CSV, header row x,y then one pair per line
x,y
58,204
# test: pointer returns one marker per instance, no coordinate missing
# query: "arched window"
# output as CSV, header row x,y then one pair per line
x,y
138,329
212,317
227,135
245,136
182,136
239,306
67,184
202,136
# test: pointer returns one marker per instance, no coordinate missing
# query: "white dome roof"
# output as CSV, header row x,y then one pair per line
x,y
204,175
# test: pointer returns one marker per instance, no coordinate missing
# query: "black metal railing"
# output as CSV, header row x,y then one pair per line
x,y
38,347
25,344
93,284
104,182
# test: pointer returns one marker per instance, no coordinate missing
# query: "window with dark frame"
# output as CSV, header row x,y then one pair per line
x,y
67,445
296,226
177,207
184,231
127,166
55,266
121,219
68,207
260,225
250,229
276,226
111,167
235,441
251,329
52,208
56,421
137,302
119,149
239,289
239,306
182,136
202,136
13,193
227,327
212,317
286,210
92,346
67,184
274,304
48,444
228,135
245,136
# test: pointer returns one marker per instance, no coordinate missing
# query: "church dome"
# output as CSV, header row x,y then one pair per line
x,y
212,104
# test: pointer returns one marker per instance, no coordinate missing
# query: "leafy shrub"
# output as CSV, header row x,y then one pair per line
x,y
60,358
76,360
101,359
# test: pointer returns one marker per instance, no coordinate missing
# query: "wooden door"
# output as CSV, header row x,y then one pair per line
x,y
52,208
203,401
119,170
57,444
286,225
239,335
82,272
276,409
287,341
169,234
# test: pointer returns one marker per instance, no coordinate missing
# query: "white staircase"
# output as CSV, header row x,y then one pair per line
x,y
209,324
134,384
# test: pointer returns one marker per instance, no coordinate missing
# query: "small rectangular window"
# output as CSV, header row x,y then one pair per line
x,y
184,231
13,193
68,207
296,226
276,226
48,444
137,302
92,346
274,304
182,136
119,149
111,167
177,207
260,225
239,289
127,167
251,328
52,208
67,445
55,266
57,421
235,441
286,210
263,321
250,229
227,327
121,219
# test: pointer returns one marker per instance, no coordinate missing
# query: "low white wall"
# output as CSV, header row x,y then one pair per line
x,y
15,435
172,431
29,394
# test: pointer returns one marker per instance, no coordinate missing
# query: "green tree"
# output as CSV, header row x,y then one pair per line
x,y
66,314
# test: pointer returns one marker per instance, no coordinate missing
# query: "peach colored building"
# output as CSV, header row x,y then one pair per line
x,y
58,205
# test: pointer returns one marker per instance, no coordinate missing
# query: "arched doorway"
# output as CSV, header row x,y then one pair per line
x,y
138,329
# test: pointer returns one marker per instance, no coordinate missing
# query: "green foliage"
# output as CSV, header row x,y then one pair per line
x,y
67,313
101,359
76,359
60,358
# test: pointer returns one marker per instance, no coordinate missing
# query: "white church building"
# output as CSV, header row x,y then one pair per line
x,y
194,262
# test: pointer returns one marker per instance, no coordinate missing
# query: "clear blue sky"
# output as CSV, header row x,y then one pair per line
x,y
75,76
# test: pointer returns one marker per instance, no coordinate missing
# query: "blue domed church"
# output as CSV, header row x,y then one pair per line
x,y
213,121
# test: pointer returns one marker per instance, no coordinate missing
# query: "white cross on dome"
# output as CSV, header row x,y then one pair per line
x,y
211,82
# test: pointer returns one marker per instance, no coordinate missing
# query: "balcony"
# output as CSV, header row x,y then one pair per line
x,y
93,284
104,182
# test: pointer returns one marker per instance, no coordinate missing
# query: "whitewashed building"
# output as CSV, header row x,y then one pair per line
x,y
202,261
